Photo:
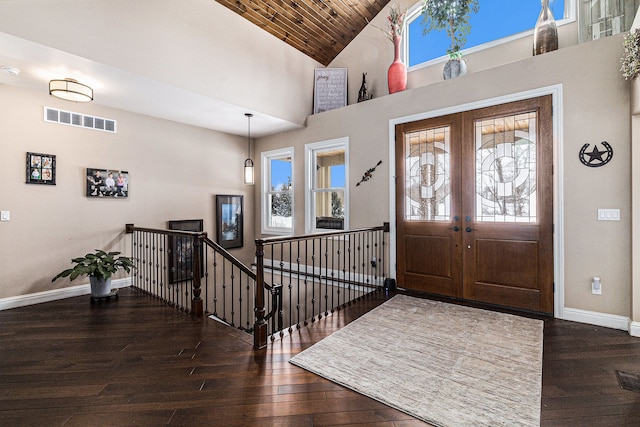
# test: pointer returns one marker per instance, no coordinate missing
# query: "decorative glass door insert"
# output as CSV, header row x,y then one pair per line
x,y
506,168
428,176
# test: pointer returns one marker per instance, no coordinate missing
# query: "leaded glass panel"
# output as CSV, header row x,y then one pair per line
x,y
428,175
506,168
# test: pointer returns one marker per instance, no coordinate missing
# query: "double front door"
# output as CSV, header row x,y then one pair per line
x,y
474,205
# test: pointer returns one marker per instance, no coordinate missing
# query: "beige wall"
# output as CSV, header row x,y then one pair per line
x,y
595,107
175,172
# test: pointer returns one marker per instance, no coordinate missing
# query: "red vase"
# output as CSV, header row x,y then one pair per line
x,y
397,75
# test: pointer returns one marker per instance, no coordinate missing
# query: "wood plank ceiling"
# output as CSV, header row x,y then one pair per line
x,y
317,28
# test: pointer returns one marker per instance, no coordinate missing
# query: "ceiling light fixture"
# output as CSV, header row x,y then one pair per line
x,y
12,71
70,90
248,164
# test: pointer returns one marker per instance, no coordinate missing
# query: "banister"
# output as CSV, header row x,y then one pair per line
x,y
325,273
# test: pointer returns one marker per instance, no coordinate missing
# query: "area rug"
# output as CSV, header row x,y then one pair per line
x,y
445,364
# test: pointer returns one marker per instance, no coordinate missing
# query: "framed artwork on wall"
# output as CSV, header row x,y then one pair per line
x,y
330,89
229,221
41,169
180,256
107,183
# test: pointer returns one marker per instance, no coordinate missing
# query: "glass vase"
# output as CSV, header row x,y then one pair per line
x,y
545,35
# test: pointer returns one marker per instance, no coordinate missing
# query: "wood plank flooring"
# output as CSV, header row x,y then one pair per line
x,y
136,361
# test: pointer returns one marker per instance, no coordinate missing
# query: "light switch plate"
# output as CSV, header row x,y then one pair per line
x,y
608,214
5,215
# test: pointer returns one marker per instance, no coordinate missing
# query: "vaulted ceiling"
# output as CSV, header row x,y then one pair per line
x,y
317,28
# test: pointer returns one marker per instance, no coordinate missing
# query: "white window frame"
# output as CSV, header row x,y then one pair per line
x,y
311,151
266,157
414,12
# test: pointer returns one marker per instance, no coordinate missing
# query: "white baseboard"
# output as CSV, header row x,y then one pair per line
x,y
599,319
55,294
634,329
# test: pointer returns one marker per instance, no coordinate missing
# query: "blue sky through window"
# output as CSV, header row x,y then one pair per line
x,y
281,172
495,19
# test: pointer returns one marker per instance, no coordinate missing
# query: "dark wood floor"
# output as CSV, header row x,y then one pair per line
x,y
137,362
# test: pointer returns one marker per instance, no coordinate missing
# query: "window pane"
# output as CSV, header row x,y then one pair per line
x,y
277,191
496,19
428,176
330,170
280,171
280,209
506,168
330,209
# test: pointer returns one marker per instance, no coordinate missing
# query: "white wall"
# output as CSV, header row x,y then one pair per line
x,y
195,45
175,172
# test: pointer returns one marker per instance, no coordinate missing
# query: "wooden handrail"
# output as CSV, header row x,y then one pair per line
x,y
260,316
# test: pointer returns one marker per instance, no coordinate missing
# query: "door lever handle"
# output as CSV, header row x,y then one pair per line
x,y
456,228
469,229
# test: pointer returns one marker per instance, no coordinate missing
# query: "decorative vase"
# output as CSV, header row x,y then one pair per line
x,y
454,68
100,288
397,75
545,35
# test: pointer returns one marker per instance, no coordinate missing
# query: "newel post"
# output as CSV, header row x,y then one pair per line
x,y
260,326
196,301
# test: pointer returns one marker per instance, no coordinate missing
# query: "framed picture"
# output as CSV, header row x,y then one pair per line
x,y
330,89
107,183
41,168
181,255
229,220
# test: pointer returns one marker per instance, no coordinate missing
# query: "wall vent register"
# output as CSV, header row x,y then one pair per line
x,y
69,118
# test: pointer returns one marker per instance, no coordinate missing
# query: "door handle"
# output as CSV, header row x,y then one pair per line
x,y
469,229
456,228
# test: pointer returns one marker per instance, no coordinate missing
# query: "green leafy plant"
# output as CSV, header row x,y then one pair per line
x,y
100,264
452,16
631,56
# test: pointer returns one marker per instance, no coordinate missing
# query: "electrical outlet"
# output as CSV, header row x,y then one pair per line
x,y
5,215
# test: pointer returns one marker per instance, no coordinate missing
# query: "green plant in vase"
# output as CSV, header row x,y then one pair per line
x,y
631,56
99,266
453,17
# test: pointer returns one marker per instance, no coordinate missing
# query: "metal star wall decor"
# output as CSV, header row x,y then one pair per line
x,y
596,158
367,175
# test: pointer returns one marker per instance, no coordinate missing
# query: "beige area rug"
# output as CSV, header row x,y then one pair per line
x,y
445,364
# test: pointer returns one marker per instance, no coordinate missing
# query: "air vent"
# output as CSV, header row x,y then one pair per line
x,y
79,120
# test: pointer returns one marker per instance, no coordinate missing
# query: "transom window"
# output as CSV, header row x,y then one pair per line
x,y
277,191
496,22
327,174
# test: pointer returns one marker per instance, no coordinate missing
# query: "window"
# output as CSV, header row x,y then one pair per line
x,y
327,201
277,191
496,21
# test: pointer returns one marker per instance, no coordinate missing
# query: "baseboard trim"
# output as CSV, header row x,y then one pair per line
x,y
55,294
599,319
634,328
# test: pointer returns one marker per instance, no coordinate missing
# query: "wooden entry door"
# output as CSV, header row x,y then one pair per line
x,y
474,205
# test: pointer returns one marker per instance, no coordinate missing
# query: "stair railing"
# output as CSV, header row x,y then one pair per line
x,y
307,277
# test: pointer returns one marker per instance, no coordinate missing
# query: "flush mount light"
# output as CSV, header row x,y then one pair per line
x,y
70,90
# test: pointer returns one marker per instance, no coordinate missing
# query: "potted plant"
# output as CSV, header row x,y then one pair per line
x,y
452,16
99,266
631,56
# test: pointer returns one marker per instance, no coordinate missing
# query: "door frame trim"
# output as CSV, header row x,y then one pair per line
x,y
558,185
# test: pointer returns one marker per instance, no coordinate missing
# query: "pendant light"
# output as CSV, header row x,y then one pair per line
x,y
248,164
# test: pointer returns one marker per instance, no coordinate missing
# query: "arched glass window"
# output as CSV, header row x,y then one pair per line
x,y
496,22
